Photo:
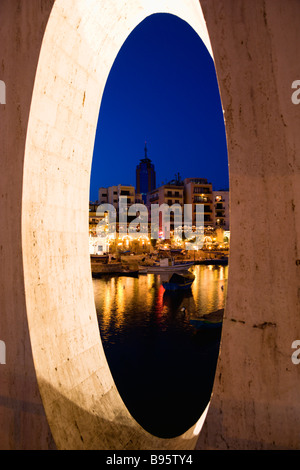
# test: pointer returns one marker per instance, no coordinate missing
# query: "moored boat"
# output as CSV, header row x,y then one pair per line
x,y
215,261
179,281
209,320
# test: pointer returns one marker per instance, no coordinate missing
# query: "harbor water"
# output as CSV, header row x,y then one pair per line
x,y
163,363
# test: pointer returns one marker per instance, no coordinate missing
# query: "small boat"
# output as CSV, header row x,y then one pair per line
x,y
216,261
116,269
179,281
99,259
129,272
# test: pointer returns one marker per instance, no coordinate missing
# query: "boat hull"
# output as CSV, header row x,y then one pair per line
x,y
203,324
178,281
210,320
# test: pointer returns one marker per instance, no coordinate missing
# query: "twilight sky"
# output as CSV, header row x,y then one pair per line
x,y
161,89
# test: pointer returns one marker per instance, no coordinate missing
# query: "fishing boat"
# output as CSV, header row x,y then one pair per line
x,y
166,265
99,259
129,272
179,281
215,261
143,270
210,320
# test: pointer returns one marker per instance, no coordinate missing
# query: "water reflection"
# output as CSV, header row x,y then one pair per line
x,y
161,364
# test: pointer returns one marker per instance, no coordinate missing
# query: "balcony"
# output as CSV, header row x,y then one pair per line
x,y
173,195
198,190
220,212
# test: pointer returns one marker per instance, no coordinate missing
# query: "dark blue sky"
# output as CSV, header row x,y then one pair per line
x,y
161,89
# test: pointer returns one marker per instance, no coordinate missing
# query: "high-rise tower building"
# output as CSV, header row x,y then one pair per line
x,y
145,176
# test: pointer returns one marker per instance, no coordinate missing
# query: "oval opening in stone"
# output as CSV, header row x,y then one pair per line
x,y
160,123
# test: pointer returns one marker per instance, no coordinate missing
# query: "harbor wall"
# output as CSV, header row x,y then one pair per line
x,y
255,403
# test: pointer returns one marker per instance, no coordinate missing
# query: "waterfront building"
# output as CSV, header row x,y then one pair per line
x,y
199,191
112,194
145,176
97,245
221,209
94,218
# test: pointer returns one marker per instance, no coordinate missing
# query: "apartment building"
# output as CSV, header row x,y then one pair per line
x,y
199,191
112,195
145,176
221,209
